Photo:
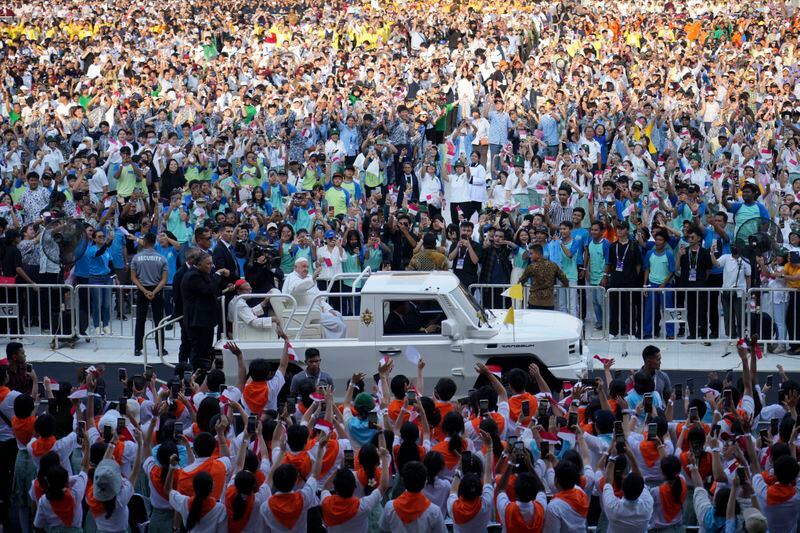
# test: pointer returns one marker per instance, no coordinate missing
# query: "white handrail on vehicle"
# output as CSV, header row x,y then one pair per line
x,y
281,296
364,274
166,321
314,302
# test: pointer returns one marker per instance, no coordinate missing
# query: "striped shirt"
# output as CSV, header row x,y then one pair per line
x,y
559,213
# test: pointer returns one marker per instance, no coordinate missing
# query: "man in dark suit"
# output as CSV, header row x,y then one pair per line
x,y
403,179
223,254
177,303
200,288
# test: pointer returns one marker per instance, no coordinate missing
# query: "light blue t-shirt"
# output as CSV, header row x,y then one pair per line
x,y
660,265
171,255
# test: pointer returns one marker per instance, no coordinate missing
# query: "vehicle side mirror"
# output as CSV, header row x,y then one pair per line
x,y
450,328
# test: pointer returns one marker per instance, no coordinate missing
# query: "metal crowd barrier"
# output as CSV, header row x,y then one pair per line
x,y
584,301
676,314
121,306
43,310
65,311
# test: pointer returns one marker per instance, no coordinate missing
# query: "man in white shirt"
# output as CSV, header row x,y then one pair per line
x,y
239,310
630,512
736,274
302,287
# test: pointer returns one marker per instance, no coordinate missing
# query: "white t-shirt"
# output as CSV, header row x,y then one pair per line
x,y
215,520
459,188
309,492
118,521
336,259
156,500
256,522
734,272
430,521
46,518
360,522
63,447
98,181
484,516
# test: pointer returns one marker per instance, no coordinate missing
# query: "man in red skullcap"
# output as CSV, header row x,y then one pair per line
x,y
255,317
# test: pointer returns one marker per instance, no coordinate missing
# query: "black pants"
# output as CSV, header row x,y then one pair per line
x,y
8,457
336,286
793,318
142,305
83,304
202,340
621,313
697,313
467,209
492,298
50,300
715,281
185,350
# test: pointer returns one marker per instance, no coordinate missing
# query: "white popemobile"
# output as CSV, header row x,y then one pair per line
x,y
434,314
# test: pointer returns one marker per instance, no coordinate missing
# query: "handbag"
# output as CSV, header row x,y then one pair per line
x,y
484,142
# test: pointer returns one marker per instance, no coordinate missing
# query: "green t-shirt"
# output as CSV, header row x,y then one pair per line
x,y
128,180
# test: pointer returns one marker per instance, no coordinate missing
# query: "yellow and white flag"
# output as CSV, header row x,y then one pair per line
x,y
509,319
515,292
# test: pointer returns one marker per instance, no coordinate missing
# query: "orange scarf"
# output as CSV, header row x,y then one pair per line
x,y
214,467
42,445
394,410
256,396
301,461
95,506
498,419
337,510
516,522
617,492
703,466
155,480
361,475
329,456
576,499
768,478
23,428
208,504
119,451
64,508
261,477
780,493
450,459
410,505
649,451
286,508
238,525
684,426
515,406
464,511
669,505
38,491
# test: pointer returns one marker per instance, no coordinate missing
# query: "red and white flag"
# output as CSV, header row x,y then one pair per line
x,y
497,370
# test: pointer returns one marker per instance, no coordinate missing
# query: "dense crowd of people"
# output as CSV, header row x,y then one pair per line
x,y
276,452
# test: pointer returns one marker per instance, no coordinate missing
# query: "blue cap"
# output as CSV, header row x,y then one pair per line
x,y
330,234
